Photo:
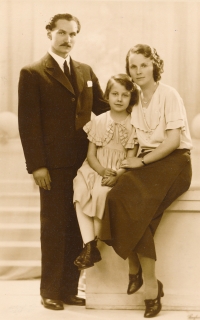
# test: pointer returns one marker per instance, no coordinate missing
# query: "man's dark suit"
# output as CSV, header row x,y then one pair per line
x,y
51,117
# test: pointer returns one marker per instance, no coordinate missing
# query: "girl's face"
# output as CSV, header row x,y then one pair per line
x,y
141,69
119,97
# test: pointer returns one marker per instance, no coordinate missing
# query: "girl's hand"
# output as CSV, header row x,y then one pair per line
x,y
109,181
109,172
132,163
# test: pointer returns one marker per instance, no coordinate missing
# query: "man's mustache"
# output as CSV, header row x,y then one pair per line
x,y
65,44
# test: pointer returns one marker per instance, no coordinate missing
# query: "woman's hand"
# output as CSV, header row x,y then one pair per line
x,y
109,172
132,163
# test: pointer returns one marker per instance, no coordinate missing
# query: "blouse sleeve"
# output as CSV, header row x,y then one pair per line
x,y
174,111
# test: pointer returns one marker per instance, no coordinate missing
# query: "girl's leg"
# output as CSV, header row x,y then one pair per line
x,y
97,226
86,224
150,280
90,253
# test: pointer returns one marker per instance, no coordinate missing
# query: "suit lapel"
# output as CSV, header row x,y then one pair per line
x,y
78,75
52,68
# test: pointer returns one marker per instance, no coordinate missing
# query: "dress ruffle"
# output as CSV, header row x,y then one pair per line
x,y
94,130
92,136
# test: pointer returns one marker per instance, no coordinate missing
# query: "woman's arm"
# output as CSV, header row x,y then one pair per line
x,y
130,154
170,144
94,163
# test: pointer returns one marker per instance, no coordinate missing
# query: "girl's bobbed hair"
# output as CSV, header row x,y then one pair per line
x,y
147,52
127,82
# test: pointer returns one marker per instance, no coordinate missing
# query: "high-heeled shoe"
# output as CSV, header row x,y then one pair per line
x,y
153,306
89,255
135,282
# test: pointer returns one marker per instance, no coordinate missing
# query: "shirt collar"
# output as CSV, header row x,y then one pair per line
x,y
60,60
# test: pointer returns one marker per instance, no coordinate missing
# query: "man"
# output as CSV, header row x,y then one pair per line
x,y
55,102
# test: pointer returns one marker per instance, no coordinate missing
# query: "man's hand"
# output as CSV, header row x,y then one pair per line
x,y
42,178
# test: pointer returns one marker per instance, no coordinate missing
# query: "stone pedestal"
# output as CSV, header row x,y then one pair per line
x,y
178,250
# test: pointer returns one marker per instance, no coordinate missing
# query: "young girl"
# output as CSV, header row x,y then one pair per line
x,y
111,140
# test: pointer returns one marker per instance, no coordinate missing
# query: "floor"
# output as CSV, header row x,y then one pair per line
x,y
20,300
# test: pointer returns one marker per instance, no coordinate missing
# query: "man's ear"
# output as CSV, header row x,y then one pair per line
x,y
49,34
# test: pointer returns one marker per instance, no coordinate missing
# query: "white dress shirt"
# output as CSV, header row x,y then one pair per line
x,y
60,60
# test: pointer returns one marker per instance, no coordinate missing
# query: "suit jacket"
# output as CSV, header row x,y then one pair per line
x,y
52,113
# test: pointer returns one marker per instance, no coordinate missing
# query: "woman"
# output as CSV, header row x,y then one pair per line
x,y
154,179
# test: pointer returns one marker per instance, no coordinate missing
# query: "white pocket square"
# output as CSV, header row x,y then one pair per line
x,y
89,83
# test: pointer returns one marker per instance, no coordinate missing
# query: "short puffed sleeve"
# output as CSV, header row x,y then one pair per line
x,y
96,129
90,129
175,113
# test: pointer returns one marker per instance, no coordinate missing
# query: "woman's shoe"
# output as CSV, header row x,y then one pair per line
x,y
135,282
89,255
153,306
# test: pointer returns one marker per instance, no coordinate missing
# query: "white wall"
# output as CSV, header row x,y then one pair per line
x,y
109,29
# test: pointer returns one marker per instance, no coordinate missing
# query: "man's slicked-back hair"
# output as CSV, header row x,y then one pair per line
x,y
64,16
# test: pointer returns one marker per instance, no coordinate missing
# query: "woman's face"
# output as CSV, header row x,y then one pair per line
x,y
141,69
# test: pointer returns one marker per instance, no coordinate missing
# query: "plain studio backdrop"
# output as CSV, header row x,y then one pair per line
x,y
109,29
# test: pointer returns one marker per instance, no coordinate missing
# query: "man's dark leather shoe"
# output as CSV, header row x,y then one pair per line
x,y
52,304
74,300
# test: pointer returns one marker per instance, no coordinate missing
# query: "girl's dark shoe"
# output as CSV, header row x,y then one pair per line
x,y
89,255
135,282
153,306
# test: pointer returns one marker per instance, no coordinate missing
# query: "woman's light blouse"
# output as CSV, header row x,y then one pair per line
x,y
165,111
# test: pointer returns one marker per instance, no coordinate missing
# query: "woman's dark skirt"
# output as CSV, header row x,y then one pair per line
x,y
136,203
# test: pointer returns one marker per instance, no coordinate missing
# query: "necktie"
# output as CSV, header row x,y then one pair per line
x,y
67,73
66,70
